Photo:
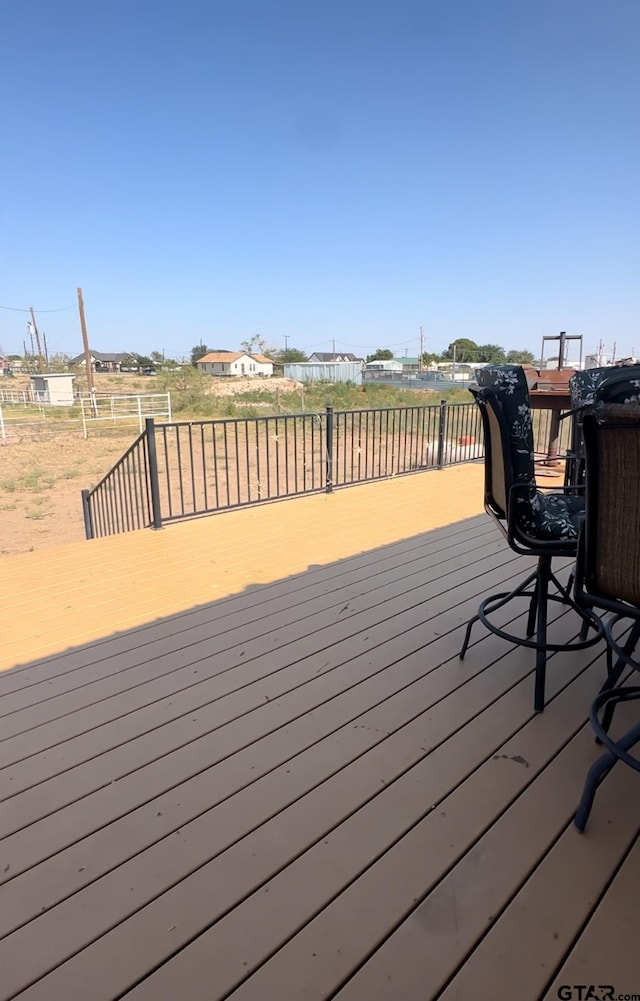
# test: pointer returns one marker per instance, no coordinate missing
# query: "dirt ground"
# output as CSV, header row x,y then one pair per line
x,y
40,484
41,480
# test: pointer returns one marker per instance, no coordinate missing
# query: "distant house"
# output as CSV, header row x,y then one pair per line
x,y
102,361
409,364
235,363
384,365
323,357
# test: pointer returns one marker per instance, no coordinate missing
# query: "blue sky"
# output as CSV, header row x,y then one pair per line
x,y
344,169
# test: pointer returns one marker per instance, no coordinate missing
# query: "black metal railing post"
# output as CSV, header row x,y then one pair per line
x,y
329,447
442,428
86,513
154,483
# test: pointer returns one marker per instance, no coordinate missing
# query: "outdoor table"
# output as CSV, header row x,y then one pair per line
x,y
555,400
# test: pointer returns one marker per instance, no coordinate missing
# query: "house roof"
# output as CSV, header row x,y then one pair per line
x,y
101,356
330,356
215,356
229,356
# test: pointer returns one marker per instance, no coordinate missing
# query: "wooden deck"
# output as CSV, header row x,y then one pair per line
x,y
297,791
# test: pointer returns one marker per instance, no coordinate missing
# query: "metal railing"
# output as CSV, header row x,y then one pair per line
x,y
126,498
182,469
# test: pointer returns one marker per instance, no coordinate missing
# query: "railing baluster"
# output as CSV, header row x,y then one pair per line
x,y
203,454
345,447
192,468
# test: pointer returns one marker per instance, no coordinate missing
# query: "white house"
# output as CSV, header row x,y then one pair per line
x,y
236,363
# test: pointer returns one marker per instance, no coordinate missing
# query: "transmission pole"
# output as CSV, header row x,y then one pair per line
x,y
421,350
35,330
87,353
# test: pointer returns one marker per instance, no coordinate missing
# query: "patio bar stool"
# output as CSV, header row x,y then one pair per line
x,y
536,523
608,573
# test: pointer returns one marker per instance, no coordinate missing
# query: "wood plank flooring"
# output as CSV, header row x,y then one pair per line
x,y
300,792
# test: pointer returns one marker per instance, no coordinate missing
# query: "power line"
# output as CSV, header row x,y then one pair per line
x,y
19,309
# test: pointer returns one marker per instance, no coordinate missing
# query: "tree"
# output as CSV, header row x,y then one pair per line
x,y
257,345
289,356
429,359
465,350
198,352
144,361
157,357
520,357
491,353
59,362
380,354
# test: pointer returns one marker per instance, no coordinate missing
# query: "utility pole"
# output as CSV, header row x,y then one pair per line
x,y
46,350
421,350
35,329
613,356
286,342
453,371
334,350
87,353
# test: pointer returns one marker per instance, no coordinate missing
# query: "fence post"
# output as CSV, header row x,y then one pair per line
x,y
329,447
3,431
169,407
442,428
150,430
140,414
86,511
84,418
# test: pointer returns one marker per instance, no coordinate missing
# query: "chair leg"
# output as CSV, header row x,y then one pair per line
x,y
533,610
467,635
542,588
598,771
614,674
497,601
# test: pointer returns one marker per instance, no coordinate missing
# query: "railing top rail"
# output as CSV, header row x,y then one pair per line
x,y
120,396
309,414
242,420
120,461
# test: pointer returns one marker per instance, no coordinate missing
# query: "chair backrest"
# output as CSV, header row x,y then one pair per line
x,y
609,385
508,383
503,397
612,524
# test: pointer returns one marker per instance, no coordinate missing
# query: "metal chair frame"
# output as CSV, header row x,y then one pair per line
x,y
589,595
535,586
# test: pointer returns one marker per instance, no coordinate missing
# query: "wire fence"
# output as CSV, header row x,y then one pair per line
x,y
35,420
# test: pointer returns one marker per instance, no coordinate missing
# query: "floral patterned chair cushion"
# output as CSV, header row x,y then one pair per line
x,y
587,386
541,516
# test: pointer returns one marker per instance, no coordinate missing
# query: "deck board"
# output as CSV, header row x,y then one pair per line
x,y
332,806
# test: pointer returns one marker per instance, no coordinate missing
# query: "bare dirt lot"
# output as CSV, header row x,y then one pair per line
x,y
40,484
41,478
